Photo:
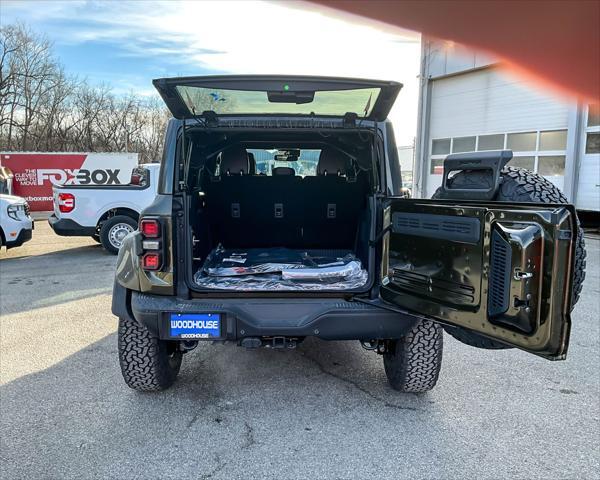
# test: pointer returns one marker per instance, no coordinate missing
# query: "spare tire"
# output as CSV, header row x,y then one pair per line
x,y
517,185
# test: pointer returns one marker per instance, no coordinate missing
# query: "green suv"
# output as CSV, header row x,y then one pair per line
x,y
280,215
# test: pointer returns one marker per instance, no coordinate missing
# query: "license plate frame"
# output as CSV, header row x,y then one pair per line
x,y
195,326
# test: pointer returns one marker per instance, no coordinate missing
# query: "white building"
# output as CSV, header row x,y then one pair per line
x,y
468,103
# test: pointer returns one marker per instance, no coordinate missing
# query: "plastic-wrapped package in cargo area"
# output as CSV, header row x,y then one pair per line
x,y
281,269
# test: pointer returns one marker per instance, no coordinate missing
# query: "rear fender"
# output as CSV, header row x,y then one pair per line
x,y
129,272
121,302
128,262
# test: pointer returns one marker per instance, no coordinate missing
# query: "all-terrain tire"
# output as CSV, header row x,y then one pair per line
x,y
112,230
147,363
518,185
412,363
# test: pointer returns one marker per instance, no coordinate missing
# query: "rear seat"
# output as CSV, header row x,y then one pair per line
x,y
334,200
227,197
254,210
283,209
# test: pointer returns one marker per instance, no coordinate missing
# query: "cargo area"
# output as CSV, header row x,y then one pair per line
x,y
288,213
281,269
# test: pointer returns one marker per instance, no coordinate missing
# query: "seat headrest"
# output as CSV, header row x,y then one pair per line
x,y
252,162
284,171
332,162
234,161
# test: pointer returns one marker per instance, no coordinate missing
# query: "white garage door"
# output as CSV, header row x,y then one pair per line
x,y
588,188
488,110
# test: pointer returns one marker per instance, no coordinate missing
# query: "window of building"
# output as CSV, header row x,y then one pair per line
x,y
592,143
463,144
491,142
553,140
593,115
440,147
523,142
437,166
550,165
524,161
542,152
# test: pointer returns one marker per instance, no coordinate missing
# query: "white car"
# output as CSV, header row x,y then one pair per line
x,y
16,225
105,213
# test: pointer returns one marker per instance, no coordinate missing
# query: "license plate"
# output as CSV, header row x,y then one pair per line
x,y
195,325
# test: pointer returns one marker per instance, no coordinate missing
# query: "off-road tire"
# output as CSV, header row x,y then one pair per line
x,y
108,225
518,185
147,363
412,363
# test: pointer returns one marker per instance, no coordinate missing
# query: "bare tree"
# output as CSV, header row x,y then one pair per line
x,y
44,109
35,70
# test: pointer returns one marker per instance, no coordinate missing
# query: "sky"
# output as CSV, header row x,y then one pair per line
x,y
126,44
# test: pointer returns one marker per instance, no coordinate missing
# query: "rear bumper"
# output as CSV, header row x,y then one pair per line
x,y
325,318
69,228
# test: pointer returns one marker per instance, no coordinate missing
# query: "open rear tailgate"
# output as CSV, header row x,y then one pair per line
x,y
187,97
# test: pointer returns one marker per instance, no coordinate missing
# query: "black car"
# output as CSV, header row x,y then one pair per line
x,y
280,215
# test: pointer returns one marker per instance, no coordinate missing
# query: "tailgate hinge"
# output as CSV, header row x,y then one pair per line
x,y
380,304
211,119
349,119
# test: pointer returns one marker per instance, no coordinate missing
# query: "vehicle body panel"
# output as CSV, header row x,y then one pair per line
x,y
93,201
328,319
15,231
129,272
502,270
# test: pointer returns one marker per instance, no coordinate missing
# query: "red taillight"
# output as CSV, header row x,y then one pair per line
x,y
135,179
66,202
150,228
151,261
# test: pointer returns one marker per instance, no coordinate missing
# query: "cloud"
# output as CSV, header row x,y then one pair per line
x,y
236,37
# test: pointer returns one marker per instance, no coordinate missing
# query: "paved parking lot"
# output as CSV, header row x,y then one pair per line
x,y
321,411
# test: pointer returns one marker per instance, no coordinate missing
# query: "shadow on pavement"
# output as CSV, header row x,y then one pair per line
x,y
95,249
57,277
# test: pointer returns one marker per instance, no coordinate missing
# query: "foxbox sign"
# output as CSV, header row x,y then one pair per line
x,y
35,173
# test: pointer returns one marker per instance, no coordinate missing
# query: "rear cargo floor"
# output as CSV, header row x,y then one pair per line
x,y
281,269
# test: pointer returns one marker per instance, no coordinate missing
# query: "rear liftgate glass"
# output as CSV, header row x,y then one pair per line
x,y
500,270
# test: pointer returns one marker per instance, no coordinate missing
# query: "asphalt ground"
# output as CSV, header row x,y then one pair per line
x,y
321,411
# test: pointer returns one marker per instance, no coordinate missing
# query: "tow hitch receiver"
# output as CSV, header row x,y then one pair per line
x,y
379,346
269,342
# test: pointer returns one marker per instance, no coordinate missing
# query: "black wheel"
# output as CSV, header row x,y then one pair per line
x,y
114,230
518,185
147,363
412,363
